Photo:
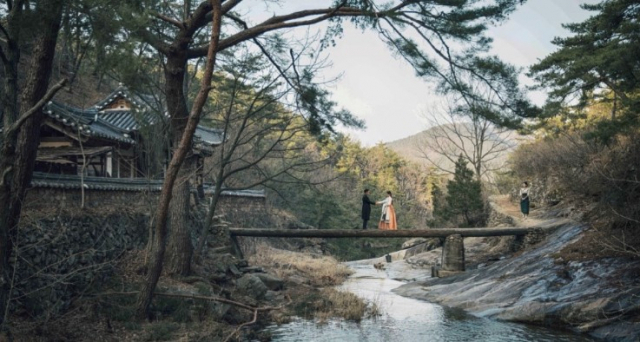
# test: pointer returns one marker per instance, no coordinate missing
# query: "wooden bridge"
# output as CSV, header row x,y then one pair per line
x,y
452,250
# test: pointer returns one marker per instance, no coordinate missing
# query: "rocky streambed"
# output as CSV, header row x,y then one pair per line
x,y
536,286
405,319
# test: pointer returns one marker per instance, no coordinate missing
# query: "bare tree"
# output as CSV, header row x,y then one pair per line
x,y
456,130
265,141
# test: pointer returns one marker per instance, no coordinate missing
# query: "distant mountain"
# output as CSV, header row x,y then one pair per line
x,y
423,147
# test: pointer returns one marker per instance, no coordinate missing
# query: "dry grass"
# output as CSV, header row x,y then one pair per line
x,y
345,305
319,270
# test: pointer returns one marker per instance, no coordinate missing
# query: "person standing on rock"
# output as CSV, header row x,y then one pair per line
x,y
366,208
524,200
388,218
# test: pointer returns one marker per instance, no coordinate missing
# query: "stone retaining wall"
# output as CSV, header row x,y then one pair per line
x,y
63,251
234,207
63,255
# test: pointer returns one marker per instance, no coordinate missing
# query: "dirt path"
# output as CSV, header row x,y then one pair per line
x,y
505,206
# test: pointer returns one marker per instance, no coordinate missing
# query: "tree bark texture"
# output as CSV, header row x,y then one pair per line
x,y
180,246
179,236
18,151
181,151
209,220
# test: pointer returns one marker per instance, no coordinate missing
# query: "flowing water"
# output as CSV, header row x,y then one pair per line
x,y
407,320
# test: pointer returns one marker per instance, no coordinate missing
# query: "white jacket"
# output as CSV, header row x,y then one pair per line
x,y
386,203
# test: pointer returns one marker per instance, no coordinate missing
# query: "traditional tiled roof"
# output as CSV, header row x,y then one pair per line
x,y
57,181
209,189
140,102
115,125
127,120
86,122
208,135
50,180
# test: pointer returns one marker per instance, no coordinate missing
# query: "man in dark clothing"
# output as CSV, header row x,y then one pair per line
x,y
366,208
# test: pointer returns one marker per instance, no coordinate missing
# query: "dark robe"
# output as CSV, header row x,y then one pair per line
x,y
366,207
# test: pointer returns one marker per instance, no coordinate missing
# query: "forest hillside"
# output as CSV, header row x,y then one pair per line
x,y
438,147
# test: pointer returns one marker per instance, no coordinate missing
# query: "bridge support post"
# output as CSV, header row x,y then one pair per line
x,y
452,255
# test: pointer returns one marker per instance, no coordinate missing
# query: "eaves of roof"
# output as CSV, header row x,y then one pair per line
x,y
85,122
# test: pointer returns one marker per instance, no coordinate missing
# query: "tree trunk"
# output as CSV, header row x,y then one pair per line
x,y
179,238
210,213
181,151
177,108
180,246
18,151
7,156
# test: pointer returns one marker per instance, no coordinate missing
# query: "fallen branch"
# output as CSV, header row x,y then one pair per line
x,y
255,319
214,299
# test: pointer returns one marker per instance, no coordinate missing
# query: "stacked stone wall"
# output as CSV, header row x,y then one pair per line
x,y
63,251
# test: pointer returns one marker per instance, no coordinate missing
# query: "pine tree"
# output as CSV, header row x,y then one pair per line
x,y
464,196
599,61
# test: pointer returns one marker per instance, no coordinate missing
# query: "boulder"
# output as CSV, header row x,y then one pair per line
x,y
221,263
252,286
425,246
413,242
272,282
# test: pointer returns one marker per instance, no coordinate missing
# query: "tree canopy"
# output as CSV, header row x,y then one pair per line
x,y
600,61
445,42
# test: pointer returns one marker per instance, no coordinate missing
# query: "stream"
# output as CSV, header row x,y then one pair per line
x,y
406,320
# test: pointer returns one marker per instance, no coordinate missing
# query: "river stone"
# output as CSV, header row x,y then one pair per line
x,y
218,310
272,282
234,270
298,280
427,245
252,269
413,242
252,286
222,262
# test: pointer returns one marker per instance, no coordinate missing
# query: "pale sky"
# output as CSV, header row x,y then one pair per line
x,y
384,91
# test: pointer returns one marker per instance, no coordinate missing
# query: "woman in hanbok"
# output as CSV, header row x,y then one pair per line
x,y
388,218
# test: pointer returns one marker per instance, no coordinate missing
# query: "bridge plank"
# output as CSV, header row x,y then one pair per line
x,y
373,233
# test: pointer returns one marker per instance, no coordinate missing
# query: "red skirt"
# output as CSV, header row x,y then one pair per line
x,y
390,223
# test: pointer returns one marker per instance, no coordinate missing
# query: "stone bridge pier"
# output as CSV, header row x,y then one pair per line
x,y
452,261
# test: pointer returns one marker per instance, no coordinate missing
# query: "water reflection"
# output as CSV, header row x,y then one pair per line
x,y
408,320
